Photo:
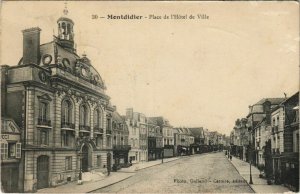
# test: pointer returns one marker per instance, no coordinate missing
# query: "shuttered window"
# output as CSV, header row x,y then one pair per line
x,y
18,150
4,151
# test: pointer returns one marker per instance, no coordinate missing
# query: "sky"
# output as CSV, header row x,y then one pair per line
x,y
195,73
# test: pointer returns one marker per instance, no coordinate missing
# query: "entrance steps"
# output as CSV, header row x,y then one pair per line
x,y
92,176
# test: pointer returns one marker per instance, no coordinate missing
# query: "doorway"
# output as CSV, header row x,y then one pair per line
x,y
42,172
85,158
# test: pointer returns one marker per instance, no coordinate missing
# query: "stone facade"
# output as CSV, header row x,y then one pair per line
x,y
58,100
155,139
138,136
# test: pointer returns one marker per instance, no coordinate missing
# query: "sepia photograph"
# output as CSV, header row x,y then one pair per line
x,y
149,96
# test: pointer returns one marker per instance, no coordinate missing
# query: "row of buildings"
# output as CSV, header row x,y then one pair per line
x,y
57,121
269,138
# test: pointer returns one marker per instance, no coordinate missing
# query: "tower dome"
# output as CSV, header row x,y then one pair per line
x,y
65,31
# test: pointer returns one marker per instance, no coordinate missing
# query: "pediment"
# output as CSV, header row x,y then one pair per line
x,y
9,126
45,97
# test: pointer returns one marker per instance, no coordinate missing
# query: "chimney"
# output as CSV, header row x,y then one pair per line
x,y
31,46
115,107
4,79
129,113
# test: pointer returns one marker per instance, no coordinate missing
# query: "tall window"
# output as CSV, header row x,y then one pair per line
x,y
43,137
43,111
66,112
99,160
99,141
115,140
68,163
97,118
108,141
4,151
68,138
83,115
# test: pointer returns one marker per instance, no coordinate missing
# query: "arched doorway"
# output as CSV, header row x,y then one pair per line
x,y
42,172
85,158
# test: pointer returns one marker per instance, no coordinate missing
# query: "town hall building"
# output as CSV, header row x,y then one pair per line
x,y
56,101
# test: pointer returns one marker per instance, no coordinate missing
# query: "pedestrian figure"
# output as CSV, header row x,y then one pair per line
x,y
230,157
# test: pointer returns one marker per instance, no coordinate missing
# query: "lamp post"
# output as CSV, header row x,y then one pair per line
x,y
80,168
250,149
250,161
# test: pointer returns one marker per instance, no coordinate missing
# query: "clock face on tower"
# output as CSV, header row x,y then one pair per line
x,y
83,72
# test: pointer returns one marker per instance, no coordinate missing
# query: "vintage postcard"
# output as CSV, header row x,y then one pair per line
x,y
149,96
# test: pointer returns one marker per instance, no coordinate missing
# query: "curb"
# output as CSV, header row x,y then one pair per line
x,y
157,164
241,175
109,184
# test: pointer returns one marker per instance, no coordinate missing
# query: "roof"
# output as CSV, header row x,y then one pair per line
x,y
117,117
273,101
197,132
152,121
55,54
9,126
182,130
159,121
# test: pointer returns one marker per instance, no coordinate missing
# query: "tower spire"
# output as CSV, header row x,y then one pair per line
x,y
66,9
65,30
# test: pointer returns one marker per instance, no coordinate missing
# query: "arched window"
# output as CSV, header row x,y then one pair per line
x,y
97,119
68,29
66,112
64,28
84,115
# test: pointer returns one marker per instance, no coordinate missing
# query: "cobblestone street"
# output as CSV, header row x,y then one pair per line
x,y
198,173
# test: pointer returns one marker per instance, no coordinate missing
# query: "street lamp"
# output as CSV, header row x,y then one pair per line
x,y
250,152
250,161
80,168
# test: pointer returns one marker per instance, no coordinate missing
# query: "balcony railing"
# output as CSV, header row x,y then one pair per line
x,y
98,129
108,131
121,147
44,121
84,127
67,125
275,151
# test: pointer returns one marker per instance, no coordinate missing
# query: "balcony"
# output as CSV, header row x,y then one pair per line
x,y
44,121
108,132
67,125
275,151
98,129
122,147
84,128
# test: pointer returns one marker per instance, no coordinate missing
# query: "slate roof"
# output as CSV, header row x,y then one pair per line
x,y
273,101
197,132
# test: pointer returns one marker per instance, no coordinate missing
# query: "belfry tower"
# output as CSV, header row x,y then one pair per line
x,y
65,31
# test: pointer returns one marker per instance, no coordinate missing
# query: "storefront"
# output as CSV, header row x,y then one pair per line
x,y
120,156
10,156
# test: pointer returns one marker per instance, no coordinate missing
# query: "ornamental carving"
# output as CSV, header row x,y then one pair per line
x,y
84,140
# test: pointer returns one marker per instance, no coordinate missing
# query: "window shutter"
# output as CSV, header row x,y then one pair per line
x,y
5,150
18,150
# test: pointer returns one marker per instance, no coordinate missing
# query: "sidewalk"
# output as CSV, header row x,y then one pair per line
x,y
114,177
142,165
259,184
88,186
